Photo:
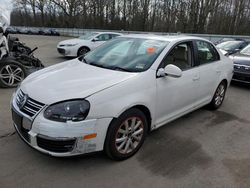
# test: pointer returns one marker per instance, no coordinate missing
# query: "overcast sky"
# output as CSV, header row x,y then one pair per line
x,y
6,4
5,7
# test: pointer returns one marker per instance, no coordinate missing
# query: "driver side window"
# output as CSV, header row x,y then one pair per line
x,y
180,56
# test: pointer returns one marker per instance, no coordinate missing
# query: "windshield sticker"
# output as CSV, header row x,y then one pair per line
x,y
151,50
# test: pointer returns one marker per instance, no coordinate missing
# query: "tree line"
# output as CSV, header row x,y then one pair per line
x,y
186,16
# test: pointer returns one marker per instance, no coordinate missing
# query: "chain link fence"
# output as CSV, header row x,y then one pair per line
x,y
74,32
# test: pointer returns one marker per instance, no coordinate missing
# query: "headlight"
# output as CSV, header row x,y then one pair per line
x,y
70,44
75,110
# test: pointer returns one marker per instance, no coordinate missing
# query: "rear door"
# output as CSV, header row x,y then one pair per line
x,y
210,68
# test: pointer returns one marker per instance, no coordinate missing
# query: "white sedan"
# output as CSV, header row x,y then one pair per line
x,y
82,45
111,98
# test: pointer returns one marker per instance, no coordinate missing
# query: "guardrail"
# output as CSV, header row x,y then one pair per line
x,y
74,32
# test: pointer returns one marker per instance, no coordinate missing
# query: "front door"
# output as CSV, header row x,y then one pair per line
x,y
176,96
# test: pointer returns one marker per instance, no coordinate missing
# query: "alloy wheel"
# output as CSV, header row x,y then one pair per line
x,y
11,75
129,135
83,51
220,94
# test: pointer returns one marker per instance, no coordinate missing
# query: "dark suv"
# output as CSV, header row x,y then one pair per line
x,y
242,65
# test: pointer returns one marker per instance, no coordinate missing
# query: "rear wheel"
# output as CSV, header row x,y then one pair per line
x,y
219,96
126,135
82,51
12,74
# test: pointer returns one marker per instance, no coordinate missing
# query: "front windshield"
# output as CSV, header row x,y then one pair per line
x,y
246,50
230,45
126,54
88,36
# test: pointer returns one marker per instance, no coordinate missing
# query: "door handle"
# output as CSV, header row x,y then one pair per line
x,y
218,71
196,78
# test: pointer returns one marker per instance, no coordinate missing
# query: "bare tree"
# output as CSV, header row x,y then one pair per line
x,y
196,16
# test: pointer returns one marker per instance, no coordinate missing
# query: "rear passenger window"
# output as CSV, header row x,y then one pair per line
x,y
206,52
104,37
113,36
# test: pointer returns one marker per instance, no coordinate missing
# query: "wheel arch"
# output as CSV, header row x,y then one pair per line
x,y
144,109
225,81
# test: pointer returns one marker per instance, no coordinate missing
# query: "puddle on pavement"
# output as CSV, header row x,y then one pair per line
x,y
220,117
172,156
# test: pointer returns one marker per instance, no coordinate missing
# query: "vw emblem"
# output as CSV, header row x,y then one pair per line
x,y
23,101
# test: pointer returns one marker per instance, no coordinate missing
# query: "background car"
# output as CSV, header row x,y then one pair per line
x,y
11,30
53,32
17,62
85,43
226,40
23,30
33,31
113,96
242,65
231,47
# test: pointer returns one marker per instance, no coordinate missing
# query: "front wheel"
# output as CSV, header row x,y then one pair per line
x,y
82,51
11,74
126,135
219,96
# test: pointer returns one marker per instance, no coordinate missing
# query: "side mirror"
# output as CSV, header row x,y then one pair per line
x,y
95,39
171,71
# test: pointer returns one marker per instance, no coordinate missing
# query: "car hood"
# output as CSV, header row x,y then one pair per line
x,y
70,80
241,59
223,51
72,41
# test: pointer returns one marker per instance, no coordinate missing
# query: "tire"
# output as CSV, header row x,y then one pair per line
x,y
121,142
12,73
82,51
219,96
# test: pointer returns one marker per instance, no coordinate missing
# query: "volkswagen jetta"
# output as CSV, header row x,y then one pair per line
x,y
112,97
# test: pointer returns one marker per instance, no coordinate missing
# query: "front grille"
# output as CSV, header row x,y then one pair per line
x,y
27,105
18,120
55,145
242,68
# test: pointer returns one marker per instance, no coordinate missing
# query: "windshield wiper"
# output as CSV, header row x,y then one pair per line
x,y
102,66
120,69
97,65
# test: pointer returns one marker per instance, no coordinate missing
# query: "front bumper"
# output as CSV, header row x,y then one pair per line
x,y
61,51
243,77
60,139
67,51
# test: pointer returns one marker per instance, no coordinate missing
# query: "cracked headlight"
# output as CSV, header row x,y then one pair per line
x,y
74,110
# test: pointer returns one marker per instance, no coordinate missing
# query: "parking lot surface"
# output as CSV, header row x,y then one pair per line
x,y
202,149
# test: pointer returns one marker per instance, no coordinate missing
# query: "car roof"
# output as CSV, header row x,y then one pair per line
x,y
108,33
168,38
